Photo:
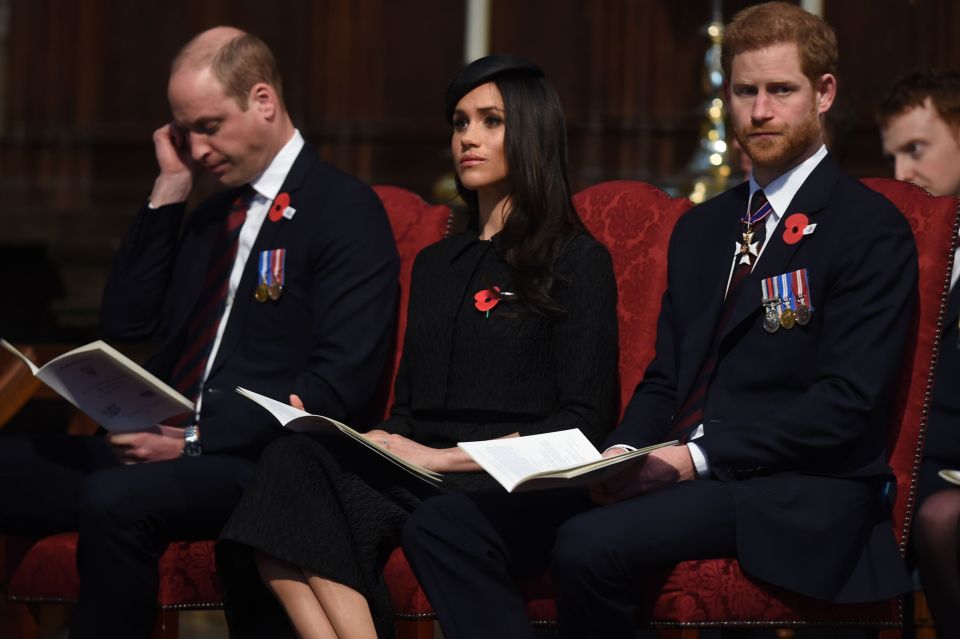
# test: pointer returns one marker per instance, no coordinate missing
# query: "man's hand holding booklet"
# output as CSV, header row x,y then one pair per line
x,y
550,460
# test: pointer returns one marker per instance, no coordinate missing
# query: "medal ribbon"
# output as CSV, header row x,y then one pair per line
x,y
265,268
800,278
279,263
760,214
789,300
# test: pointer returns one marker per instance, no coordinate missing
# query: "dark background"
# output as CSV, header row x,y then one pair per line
x,y
83,83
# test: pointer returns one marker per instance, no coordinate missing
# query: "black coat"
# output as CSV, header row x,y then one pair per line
x,y
478,376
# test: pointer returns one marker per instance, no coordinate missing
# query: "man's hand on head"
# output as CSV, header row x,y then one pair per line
x,y
177,168
158,443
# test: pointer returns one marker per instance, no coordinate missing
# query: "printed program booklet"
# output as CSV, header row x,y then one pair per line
x,y
304,422
549,460
111,388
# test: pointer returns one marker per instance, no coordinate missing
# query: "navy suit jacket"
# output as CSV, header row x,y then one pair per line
x,y
326,338
795,420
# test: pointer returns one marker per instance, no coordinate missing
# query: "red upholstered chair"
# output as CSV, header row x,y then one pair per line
x,y
716,592
46,570
634,220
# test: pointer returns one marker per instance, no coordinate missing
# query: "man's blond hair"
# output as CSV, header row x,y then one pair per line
x,y
238,60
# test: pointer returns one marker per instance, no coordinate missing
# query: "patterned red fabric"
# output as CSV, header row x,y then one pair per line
x,y
48,573
634,220
415,224
714,591
47,570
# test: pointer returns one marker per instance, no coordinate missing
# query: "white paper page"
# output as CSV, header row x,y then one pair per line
x,y
285,413
7,345
510,459
106,391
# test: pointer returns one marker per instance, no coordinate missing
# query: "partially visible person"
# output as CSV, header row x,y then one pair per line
x,y
788,304
511,329
285,280
920,126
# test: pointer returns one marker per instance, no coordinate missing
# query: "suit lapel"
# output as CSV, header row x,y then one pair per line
x,y
265,241
210,225
811,200
714,259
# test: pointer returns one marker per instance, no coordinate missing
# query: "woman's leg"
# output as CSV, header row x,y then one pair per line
x,y
289,585
936,535
346,609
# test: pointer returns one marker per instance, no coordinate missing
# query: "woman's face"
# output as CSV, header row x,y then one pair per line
x,y
477,143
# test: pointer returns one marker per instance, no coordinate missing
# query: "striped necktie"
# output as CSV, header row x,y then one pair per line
x,y
212,301
690,414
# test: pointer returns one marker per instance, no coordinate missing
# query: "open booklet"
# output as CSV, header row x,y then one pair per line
x,y
550,460
304,422
111,388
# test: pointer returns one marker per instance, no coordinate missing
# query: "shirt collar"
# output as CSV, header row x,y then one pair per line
x,y
269,182
780,191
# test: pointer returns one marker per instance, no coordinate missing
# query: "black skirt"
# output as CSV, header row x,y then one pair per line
x,y
330,506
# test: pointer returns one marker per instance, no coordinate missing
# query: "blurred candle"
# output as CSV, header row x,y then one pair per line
x,y
476,41
813,6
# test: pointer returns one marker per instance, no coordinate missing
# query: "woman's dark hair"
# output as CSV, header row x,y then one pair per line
x,y
541,219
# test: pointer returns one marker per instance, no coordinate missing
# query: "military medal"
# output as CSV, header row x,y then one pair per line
x,y
800,286
262,293
788,317
270,267
746,247
278,259
771,306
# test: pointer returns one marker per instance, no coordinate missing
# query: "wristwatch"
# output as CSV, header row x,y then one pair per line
x,y
191,441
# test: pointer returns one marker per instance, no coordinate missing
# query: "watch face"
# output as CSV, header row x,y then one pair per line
x,y
191,442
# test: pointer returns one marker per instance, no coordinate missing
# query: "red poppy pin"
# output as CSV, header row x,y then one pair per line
x,y
794,227
280,204
487,299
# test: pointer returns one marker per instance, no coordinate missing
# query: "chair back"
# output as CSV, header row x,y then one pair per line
x,y
934,222
17,383
634,221
416,224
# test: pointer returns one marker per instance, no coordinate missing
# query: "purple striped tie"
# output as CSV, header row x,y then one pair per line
x,y
205,319
690,414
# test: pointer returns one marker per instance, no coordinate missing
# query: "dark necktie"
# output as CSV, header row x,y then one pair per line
x,y
752,234
211,303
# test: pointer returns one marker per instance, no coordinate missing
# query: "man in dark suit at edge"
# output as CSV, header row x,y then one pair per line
x,y
285,282
788,303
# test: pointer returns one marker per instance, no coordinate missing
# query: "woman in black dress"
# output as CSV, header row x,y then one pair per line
x,y
323,514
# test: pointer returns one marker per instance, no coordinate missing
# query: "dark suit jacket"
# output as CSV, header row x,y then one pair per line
x,y
796,420
943,429
325,338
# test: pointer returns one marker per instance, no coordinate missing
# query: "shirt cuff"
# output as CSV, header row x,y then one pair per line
x,y
700,462
624,447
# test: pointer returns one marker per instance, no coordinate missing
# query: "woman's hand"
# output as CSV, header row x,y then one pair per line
x,y
405,448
